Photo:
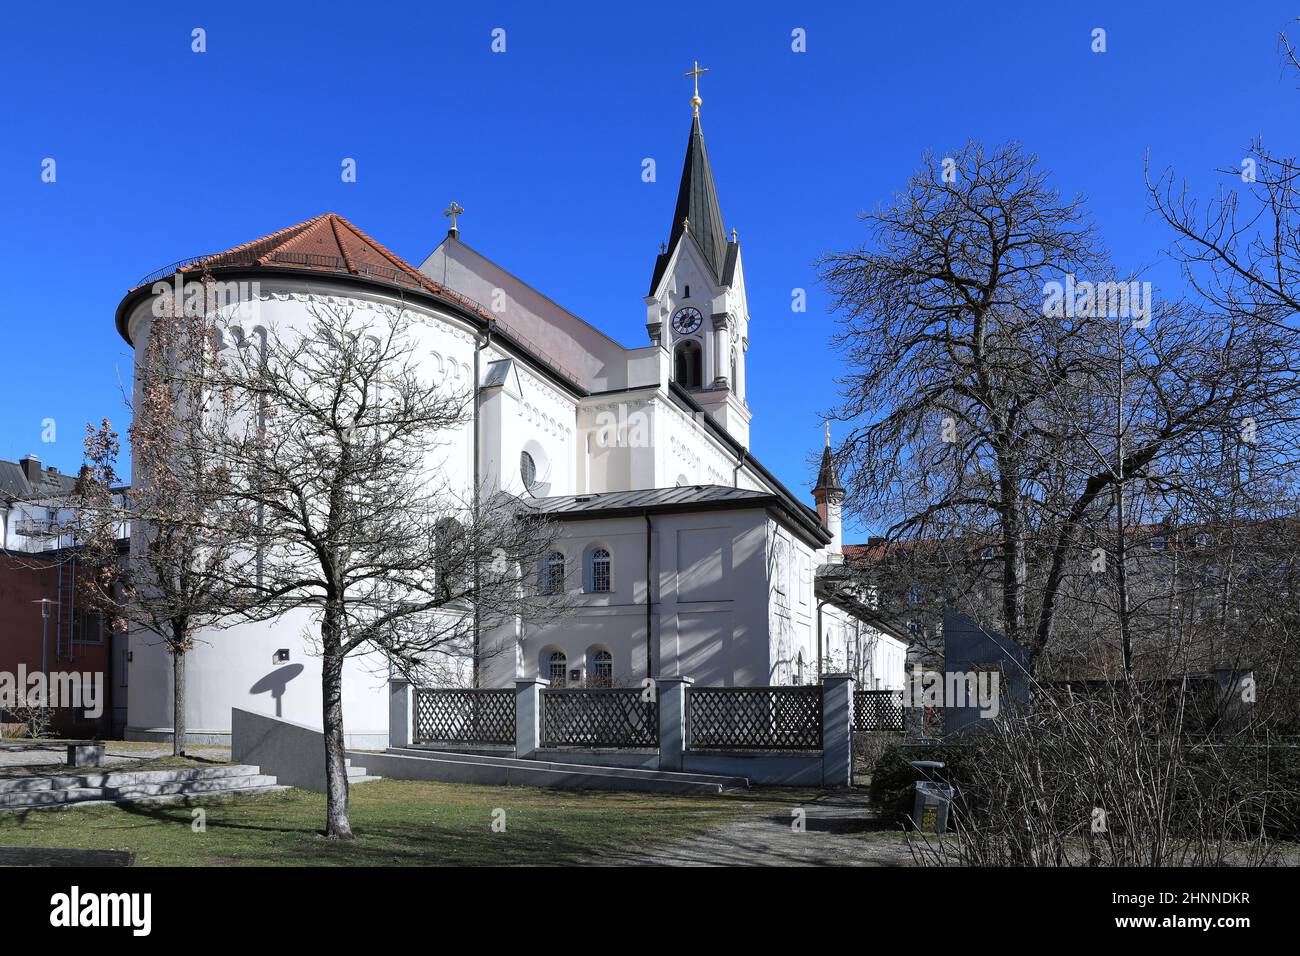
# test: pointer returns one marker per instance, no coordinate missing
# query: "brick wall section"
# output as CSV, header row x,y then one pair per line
x,y
24,580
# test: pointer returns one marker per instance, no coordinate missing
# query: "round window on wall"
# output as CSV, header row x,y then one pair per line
x,y
535,470
528,470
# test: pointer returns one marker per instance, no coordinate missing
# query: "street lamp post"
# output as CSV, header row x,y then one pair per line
x,y
45,635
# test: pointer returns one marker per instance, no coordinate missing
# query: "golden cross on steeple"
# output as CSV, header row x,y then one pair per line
x,y
695,74
454,210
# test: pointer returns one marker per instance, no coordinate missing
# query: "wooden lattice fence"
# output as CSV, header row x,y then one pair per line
x,y
755,718
464,716
599,717
878,710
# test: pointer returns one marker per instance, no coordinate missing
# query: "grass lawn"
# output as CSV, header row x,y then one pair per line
x,y
396,822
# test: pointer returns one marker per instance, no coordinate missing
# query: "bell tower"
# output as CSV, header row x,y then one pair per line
x,y
696,308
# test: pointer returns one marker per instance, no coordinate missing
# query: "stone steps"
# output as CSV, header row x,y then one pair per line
x,y
128,786
358,774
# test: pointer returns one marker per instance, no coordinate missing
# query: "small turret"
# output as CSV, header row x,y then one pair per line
x,y
829,495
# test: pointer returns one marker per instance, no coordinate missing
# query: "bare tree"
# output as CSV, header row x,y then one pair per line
x,y
996,404
341,461
175,580
1110,778
1240,250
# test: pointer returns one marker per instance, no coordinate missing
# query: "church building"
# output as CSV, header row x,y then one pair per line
x,y
683,554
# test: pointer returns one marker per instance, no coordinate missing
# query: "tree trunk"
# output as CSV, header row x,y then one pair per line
x,y
1121,532
337,825
1121,567
178,703
1014,571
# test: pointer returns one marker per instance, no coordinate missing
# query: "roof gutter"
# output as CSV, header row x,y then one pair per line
x,y
815,536
480,323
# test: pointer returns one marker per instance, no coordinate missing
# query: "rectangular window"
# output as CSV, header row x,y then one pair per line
x,y
88,628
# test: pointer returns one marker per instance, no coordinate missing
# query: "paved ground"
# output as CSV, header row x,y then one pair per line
x,y
50,856
25,758
838,829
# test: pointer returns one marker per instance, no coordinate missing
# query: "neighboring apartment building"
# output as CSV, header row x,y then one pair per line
x,y
38,564
1213,604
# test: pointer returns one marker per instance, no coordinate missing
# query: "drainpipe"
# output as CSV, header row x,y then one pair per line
x,y
649,607
479,346
820,605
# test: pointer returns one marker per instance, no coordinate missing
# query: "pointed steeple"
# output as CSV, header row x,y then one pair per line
x,y
829,495
828,477
697,208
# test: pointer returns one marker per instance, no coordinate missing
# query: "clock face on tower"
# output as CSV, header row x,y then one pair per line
x,y
687,320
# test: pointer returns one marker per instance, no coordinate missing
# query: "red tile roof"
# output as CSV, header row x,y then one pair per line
x,y
328,244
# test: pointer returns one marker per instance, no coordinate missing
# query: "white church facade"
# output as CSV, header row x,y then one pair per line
x,y
685,556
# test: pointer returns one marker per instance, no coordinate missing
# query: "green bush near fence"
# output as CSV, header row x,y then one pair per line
x,y
893,778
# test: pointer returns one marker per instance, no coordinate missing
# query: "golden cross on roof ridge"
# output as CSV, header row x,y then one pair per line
x,y
695,74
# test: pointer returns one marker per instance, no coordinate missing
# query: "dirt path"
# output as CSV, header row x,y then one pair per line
x,y
838,829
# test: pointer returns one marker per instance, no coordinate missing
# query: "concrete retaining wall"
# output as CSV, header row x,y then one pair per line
x,y
293,753
767,769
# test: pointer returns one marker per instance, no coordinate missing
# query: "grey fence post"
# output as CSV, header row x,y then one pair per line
x,y
528,714
401,697
837,730
671,702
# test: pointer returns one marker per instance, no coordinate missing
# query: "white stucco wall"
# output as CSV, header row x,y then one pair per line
x,y
235,667
727,609
705,569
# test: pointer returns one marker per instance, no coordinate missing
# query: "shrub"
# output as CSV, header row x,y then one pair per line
x,y
893,778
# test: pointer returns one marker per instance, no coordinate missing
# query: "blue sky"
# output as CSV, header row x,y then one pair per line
x,y
163,153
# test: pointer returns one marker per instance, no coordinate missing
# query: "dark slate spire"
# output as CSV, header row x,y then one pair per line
x,y
828,477
697,210
697,204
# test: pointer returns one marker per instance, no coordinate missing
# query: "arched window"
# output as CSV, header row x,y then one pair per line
x,y
557,668
735,380
688,364
553,573
600,573
527,470
600,669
